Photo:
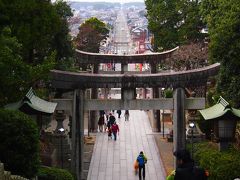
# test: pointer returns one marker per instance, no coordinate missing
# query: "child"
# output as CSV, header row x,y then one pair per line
x,y
115,129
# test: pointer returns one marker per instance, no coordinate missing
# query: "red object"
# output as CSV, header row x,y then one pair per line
x,y
140,67
109,65
115,128
135,165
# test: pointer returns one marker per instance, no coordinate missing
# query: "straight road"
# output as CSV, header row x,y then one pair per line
x,y
121,34
113,160
122,39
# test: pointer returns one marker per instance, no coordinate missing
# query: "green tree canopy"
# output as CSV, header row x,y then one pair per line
x,y
191,22
163,18
34,24
62,40
174,22
19,147
14,73
223,20
91,33
33,38
40,26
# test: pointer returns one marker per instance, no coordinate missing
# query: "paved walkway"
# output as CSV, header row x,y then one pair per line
x,y
113,160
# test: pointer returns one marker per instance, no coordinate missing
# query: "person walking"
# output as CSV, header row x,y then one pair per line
x,y
119,113
107,114
112,119
101,112
115,130
126,115
142,160
186,168
105,123
101,123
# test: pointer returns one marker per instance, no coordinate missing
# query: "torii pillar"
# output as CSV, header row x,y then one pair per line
x,y
78,133
94,95
157,124
179,127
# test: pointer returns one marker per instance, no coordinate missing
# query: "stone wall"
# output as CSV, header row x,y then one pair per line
x,y
6,175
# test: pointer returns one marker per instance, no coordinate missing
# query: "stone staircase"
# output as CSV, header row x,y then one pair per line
x,y
6,175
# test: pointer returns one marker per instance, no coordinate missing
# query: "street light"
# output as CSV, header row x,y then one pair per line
x,y
192,125
61,130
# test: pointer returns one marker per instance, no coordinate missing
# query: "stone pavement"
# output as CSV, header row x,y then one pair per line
x,y
113,160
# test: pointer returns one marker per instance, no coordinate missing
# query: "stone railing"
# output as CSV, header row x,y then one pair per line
x,y
6,175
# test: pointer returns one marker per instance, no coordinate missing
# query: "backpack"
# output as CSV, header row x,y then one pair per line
x,y
141,160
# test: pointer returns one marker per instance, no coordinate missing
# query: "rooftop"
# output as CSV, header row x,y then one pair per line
x,y
32,104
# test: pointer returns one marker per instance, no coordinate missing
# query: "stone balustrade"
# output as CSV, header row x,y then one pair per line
x,y
6,175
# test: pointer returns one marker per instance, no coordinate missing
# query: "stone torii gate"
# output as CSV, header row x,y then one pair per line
x,y
78,83
152,59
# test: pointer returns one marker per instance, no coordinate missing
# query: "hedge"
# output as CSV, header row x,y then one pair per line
x,y
19,143
51,173
221,165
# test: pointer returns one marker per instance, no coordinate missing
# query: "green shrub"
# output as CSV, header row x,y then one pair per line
x,y
221,165
50,173
19,143
168,93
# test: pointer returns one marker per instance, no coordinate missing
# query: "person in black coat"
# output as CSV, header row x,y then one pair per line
x,y
186,168
101,123
111,120
119,113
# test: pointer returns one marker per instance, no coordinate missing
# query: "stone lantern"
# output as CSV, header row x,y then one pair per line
x,y
224,119
60,116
